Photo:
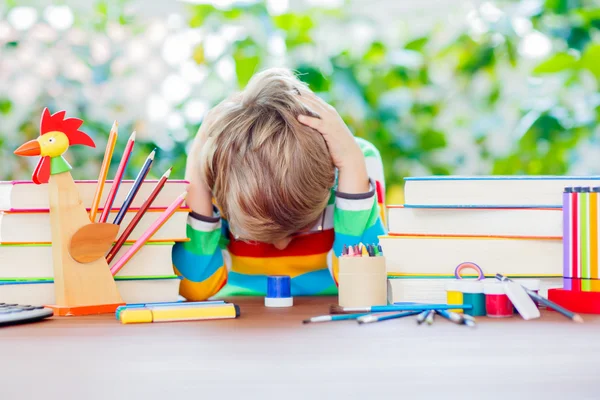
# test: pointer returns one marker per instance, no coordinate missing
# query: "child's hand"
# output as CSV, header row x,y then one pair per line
x,y
345,152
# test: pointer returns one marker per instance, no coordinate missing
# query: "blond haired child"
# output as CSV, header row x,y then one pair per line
x,y
290,186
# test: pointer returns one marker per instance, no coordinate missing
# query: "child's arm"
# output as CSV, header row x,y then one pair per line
x,y
359,196
200,261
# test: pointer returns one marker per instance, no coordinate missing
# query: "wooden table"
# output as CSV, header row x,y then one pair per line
x,y
268,353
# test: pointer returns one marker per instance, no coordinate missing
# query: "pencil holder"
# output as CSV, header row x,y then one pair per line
x,y
362,281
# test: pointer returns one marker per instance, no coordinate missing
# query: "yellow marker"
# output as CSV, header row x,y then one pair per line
x,y
135,316
179,313
217,311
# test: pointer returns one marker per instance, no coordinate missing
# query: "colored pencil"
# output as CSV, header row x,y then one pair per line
x,y
335,309
138,216
148,234
137,184
118,178
108,153
327,318
369,319
542,300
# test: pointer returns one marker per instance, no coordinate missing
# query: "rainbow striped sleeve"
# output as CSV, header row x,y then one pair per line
x,y
359,218
200,261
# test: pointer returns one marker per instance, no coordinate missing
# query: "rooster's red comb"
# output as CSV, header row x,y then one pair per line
x,y
68,126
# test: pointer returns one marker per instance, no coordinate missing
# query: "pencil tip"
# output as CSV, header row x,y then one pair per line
x,y
151,155
132,137
306,321
577,318
168,173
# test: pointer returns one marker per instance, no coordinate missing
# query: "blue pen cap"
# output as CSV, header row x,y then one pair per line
x,y
279,286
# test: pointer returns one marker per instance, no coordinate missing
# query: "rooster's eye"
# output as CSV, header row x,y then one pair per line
x,y
51,140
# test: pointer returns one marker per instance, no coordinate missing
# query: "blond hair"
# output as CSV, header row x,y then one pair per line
x,y
270,175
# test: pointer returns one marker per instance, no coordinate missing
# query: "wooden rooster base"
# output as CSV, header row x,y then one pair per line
x,y
83,282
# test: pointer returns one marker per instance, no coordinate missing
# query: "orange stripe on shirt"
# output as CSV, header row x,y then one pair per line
x,y
291,266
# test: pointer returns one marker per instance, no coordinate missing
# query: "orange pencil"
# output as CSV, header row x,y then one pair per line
x,y
108,153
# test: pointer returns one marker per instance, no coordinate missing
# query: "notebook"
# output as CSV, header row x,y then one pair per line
x,y
433,290
35,260
490,191
25,195
131,289
475,221
419,255
34,226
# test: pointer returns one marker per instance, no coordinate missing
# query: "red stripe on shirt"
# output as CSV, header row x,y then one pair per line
x,y
308,244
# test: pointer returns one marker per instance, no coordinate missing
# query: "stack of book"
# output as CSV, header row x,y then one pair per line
x,y
26,270
507,225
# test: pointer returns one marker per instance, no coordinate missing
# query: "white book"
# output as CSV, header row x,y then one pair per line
x,y
35,261
26,195
34,227
131,291
491,191
431,255
433,290
476,221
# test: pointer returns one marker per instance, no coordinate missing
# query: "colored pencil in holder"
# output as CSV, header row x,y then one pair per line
x,y
148,234
138,216
137,184
108,153
118,179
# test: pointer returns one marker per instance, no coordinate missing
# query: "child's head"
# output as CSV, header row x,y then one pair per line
x,y
271,176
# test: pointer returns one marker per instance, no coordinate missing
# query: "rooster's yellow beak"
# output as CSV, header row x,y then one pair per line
x,y
31,148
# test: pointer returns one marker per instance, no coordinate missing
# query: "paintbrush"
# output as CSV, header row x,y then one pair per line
x,y
327,318
336,309
457,318
368,319
421,317
542,300
430,316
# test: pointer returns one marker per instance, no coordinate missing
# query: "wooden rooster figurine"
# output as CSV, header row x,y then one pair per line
x,y
82,280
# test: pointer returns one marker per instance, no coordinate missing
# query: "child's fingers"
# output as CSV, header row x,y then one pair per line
x,y
315,123
313,103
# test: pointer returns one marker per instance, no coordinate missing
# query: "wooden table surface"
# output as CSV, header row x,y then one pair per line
x,y
269,353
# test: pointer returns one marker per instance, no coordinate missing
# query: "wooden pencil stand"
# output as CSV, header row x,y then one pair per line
x,y
362,281
80,288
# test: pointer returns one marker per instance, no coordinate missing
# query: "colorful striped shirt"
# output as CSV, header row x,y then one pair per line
x,y
213,262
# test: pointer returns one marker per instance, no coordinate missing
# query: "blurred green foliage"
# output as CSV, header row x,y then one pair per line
x,y
432,104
